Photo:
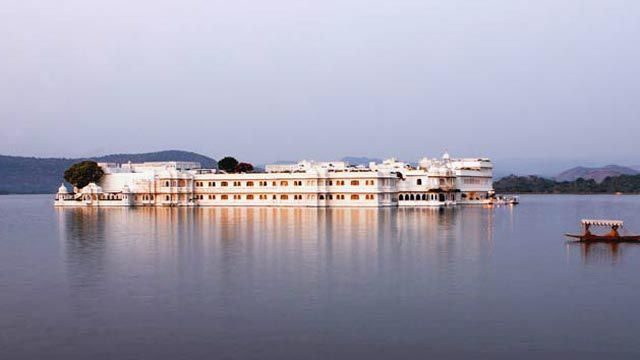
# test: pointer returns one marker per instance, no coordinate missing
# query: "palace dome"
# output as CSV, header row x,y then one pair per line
x,y
62,189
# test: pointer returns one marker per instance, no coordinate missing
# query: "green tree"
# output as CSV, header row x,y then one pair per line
x,y
243,168
228,164
83,173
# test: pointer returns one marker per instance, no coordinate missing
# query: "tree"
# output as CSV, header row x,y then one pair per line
x,y
228,164
243,167
83,173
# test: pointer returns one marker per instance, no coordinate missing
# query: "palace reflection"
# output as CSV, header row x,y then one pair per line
x,y
293,245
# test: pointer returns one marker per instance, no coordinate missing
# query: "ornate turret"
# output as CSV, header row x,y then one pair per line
x,y
62,189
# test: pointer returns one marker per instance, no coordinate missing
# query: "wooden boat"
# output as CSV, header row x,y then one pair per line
x,y
611,236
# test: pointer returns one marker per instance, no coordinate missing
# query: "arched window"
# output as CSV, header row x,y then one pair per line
x,y
284,183
411,197
249,197
424,197
355,182
321,197
355,197
224,183
249,183
419,181
284,197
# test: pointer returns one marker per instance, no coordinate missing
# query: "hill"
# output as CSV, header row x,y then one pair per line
x,y
597,174
30,175
354,160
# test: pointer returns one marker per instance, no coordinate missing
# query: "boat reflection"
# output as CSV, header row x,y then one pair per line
x,y
600,252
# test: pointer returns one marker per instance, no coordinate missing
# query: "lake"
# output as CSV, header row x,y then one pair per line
x,y
274,283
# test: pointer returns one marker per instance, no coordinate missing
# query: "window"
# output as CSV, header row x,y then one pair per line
x,y
224,183
166,184
330,197
249,197
249,183
236,197
297,183
284,197
167,198
355,197
224,197
212,184
321,197
284,183
237,183
419,182
401,198
212,197
330,182
273,183
355,182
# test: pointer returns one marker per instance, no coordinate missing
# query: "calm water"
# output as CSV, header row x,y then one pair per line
x,y
316,284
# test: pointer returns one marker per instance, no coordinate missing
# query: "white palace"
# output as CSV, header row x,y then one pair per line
x,y
434,182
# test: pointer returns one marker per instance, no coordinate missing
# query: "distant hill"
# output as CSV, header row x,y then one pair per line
x,y
30,175
353,160
598,174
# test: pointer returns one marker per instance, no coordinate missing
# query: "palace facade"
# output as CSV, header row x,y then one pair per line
x,y
434,182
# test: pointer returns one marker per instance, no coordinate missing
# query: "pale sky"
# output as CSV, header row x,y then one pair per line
x,y
285,79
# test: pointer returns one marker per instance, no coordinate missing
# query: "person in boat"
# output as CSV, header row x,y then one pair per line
x,y
614,231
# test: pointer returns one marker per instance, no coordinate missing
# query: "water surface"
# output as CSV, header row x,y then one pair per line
x,y
259,283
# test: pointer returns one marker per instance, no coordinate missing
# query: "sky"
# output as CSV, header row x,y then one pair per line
x,y
295,79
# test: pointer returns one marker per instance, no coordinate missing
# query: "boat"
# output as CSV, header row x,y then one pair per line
x,y
505,200
611,236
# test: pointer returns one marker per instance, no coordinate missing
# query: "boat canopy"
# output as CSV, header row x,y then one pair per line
x,y
591,222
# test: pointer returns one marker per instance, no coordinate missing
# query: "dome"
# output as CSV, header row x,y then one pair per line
x,y
446,156
62,189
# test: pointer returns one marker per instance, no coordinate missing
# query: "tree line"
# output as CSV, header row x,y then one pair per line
x,y
535,184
